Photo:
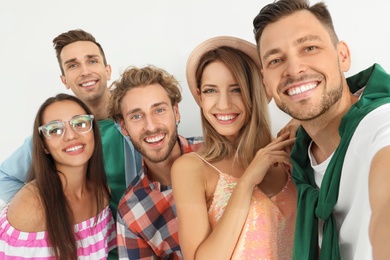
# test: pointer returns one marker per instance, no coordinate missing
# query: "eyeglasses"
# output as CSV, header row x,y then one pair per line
x,y
80,124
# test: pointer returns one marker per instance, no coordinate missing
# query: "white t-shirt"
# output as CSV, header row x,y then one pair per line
x,y
352,210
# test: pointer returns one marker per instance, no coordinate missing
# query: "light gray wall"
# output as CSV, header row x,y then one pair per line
x,y
159,32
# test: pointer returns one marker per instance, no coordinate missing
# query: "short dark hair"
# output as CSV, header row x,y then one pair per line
x,y
72,36
273,12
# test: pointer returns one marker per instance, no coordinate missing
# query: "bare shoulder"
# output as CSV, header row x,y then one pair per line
x,y
25,211
189,167
188,162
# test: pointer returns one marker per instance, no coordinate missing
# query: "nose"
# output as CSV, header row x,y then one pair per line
x,y
294,66
70,133
150,123
85,70
223,101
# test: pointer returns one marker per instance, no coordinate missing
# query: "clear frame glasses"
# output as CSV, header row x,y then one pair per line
x,y
55,129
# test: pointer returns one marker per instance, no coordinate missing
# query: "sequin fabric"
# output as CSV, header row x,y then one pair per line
x,y
268,232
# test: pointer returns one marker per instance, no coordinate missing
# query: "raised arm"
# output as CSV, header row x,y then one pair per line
x,y
14,172
379,192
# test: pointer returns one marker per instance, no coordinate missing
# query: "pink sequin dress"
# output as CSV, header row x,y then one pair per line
x,y
268,232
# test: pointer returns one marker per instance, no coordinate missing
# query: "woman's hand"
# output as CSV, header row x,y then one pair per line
x,y
271,155
292,127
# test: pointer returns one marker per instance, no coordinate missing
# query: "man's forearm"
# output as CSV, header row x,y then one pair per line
x,y
14,172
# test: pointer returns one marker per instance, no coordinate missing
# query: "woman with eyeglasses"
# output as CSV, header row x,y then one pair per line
x,y
62,212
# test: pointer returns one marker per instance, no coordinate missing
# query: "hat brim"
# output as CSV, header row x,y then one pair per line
x,y
211,44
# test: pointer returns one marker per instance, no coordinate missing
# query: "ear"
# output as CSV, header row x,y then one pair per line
x,y
177,113
267,90
199,95
63,80
46,151
344,56
123,127
108,72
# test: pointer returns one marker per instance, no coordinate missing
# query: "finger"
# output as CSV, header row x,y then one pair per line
x,y
293,133
281,137
280,144
282,131
271,157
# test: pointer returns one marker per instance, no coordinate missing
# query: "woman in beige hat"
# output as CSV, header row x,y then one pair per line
x,y
235,198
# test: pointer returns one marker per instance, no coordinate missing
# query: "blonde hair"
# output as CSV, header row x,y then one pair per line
x,y
134,77
256,133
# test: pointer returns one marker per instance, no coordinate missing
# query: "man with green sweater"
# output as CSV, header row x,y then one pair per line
x,y
85,71
341,157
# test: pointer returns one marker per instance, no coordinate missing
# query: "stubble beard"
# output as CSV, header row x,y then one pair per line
x,y
161,155
307,113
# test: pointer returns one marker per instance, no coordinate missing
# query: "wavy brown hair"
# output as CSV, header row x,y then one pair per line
x,y
59,216
256,133
134,77
72,36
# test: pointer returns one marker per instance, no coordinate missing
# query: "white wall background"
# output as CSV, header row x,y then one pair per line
x,y
142,32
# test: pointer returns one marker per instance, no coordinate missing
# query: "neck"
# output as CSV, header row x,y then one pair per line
x,y
100,107
161,172
74,180
324,129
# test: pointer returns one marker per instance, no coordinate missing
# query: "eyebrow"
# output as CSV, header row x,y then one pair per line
x,y
298,41
306,38
88,56
135,110
271,52
236,84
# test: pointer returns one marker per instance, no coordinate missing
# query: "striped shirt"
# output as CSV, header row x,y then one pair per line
x,y
146,221
94,238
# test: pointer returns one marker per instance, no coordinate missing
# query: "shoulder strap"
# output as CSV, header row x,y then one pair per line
x,y
208,163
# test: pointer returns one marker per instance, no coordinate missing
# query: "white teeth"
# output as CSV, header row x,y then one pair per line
x,y
88,84
155,139
74,148
301,89
225,117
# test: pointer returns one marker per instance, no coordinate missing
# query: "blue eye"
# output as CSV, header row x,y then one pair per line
x,y
135,117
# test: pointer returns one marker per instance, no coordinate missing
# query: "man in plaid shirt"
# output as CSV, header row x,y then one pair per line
x,y
145,103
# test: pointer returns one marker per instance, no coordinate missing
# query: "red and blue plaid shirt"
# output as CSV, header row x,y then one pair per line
x,y
146,221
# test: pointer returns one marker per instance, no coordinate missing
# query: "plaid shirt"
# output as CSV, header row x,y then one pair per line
x,y
146,222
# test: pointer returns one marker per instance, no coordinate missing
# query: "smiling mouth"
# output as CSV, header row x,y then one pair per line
x,y
89,83
301,89
74,148
154,139
226,117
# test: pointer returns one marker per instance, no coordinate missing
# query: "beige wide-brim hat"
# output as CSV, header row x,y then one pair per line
x,y
211,44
